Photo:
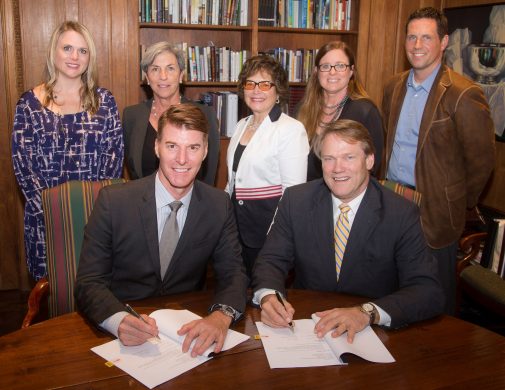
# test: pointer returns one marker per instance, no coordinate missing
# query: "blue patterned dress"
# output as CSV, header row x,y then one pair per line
x,y
49,149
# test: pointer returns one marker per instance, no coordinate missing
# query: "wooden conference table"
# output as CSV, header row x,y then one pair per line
x,y
443,352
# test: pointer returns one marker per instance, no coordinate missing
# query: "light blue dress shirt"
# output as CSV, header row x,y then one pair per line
x,y
403,157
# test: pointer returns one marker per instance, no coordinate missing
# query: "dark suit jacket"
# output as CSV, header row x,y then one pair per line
x,y
386,257
120,255
455,151
365,112
135,120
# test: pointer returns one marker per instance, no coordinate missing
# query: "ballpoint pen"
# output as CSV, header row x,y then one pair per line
x,y
290,323
130,310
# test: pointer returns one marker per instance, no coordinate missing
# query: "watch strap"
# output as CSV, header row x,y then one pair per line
x,y
226,310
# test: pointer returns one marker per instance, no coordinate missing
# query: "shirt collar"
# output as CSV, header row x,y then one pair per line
x,y
164,198
427,83
353,204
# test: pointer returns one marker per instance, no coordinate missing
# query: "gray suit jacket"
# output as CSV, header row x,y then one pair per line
x,y
120,255
135,120
386,258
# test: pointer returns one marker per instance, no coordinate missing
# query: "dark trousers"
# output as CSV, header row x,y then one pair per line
x,y
446,259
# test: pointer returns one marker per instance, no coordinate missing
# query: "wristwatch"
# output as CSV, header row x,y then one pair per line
x,y
370,310
226,310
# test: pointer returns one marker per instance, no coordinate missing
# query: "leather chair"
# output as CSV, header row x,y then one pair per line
x,y
477,283
66,210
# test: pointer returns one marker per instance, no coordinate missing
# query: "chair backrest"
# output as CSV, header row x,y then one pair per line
x,y
66,210
404,191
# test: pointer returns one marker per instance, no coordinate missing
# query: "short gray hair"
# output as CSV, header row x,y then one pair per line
x,y
160,47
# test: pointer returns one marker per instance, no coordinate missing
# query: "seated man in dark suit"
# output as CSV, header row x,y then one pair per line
x,y
155,236
347,233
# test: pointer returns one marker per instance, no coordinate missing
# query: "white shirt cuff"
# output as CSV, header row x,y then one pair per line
x,y
111,324
260,294
385,318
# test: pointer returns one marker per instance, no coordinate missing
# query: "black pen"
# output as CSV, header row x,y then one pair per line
x,y
130,310
279,298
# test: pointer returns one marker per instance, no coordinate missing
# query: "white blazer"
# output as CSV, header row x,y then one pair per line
x,y
275,158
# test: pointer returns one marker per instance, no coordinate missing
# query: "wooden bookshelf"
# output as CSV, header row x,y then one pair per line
x,y
253,38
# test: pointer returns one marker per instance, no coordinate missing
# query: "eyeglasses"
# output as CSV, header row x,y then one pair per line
x,y
340,67
249,85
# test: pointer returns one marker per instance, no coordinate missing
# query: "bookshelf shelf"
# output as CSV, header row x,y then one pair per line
x,y
180,26
306,31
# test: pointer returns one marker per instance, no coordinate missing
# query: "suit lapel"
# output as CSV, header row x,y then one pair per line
x,y
150,223
364,224
321,220
440,85
138,136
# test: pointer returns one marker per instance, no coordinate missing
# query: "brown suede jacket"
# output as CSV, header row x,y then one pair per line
x,y
455,150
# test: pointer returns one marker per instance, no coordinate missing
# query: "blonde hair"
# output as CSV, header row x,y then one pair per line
x,y
89,95
312,103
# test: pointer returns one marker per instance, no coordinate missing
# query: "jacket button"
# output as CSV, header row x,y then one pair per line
x,y
241,202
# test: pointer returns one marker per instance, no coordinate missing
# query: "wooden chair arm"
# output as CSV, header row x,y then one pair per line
x,y
38,292
470,246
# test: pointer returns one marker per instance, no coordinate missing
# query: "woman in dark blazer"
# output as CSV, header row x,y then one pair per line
x,y
335,92
163,65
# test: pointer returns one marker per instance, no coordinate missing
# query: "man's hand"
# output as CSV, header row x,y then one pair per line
x,y
274,314
352,320
204,332
134,331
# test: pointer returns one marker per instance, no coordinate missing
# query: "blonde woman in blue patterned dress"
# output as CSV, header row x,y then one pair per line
x,y
64,129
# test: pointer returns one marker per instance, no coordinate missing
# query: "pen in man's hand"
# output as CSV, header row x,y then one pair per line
x,y
290,323
130,310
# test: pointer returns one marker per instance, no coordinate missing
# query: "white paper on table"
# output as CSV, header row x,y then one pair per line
x,y
170,321
156,363
303,348
150,364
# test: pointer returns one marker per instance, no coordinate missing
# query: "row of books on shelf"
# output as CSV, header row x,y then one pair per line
x,y
221,64
210,63
213,12
226,106
317,14
298,63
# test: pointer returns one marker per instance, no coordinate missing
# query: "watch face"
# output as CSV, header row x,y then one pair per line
x,y
368,307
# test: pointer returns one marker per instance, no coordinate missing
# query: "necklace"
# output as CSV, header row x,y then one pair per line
x,y
253,126
155,112
335,114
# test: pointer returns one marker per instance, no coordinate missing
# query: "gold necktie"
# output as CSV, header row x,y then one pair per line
x,y
341,235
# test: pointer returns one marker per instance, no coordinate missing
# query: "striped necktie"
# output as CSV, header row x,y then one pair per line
x,y
341,235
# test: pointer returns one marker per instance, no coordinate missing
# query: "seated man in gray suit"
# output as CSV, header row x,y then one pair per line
x,y
347,233
155,236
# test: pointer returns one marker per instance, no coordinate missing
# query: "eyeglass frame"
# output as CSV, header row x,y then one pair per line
x,y
257,83
334,67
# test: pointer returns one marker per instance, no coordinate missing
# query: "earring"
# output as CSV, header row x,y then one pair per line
x,y
277,100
